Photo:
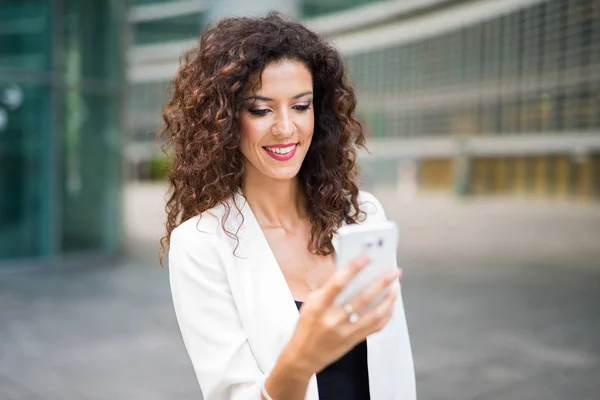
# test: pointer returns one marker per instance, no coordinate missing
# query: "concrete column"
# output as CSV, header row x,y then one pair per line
x,y
460,169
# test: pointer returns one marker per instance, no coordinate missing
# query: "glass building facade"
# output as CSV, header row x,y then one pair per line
x,y
61,101
316,8
449,88
532,72
155,21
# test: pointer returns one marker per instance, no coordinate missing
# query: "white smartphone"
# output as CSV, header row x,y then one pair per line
x,y
378,240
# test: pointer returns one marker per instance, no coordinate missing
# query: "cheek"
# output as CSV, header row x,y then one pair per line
x,y
312,125
248,135
308,126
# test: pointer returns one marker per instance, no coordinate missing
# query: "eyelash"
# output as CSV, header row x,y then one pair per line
x,y
259,113
265,111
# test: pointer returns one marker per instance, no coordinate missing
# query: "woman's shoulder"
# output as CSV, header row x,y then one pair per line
x,y
200,246
371,206
207,227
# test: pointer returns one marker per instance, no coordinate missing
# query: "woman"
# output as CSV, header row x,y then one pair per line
x,y
262,127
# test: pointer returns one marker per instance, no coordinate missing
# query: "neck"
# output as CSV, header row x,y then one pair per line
x,y
275,203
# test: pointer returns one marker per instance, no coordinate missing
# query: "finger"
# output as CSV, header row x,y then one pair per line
x,y
376,318
341,278
374,290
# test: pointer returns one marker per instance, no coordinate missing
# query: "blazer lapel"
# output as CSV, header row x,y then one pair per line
x,y
265,303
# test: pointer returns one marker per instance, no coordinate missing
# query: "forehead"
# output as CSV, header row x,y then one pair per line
x,y
281,75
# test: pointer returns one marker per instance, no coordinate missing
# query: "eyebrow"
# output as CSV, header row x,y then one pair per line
x,y
263,98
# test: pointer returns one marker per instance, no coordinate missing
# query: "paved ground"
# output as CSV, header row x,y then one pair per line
x,y
503,300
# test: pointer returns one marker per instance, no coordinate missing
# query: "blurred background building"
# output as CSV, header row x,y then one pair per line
x,y
468,97
479,97
61,127
486,97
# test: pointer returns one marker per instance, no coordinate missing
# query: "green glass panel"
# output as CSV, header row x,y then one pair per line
x,y
24,35
377,122
25,120
315,8
91,173
92,35
176,28
145,2
91,126
24,173
60,129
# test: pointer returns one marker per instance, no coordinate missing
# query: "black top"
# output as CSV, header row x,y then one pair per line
x,y
346,378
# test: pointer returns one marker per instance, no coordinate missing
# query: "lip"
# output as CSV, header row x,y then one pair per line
x,y
280,146
282,157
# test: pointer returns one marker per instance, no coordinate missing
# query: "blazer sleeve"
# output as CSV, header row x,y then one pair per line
x,y
210,325
371,206
406,380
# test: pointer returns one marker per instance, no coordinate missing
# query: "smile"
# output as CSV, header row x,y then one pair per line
x,y
280,153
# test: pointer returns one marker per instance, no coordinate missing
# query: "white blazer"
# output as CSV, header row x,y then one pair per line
x,y
236,312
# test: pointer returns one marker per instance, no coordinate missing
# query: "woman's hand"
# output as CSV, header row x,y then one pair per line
x,y
326,331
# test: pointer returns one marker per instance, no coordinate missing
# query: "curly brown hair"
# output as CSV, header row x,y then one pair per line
x,y
201,123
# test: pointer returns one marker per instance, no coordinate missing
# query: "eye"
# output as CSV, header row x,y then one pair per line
x,y
302,107
259,112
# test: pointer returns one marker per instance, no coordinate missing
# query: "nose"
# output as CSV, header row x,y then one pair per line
x,y
284,125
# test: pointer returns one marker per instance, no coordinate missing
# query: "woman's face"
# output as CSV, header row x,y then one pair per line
x,y
277,121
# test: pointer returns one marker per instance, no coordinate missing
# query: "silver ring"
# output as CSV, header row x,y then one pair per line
x,y
348,308
352,316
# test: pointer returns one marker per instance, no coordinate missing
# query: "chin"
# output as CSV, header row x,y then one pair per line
x,y
284,174
284,177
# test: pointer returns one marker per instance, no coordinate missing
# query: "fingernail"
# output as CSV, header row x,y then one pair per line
x,y
393,275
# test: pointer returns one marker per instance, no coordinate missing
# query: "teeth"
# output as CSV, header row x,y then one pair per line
x,y
282,150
